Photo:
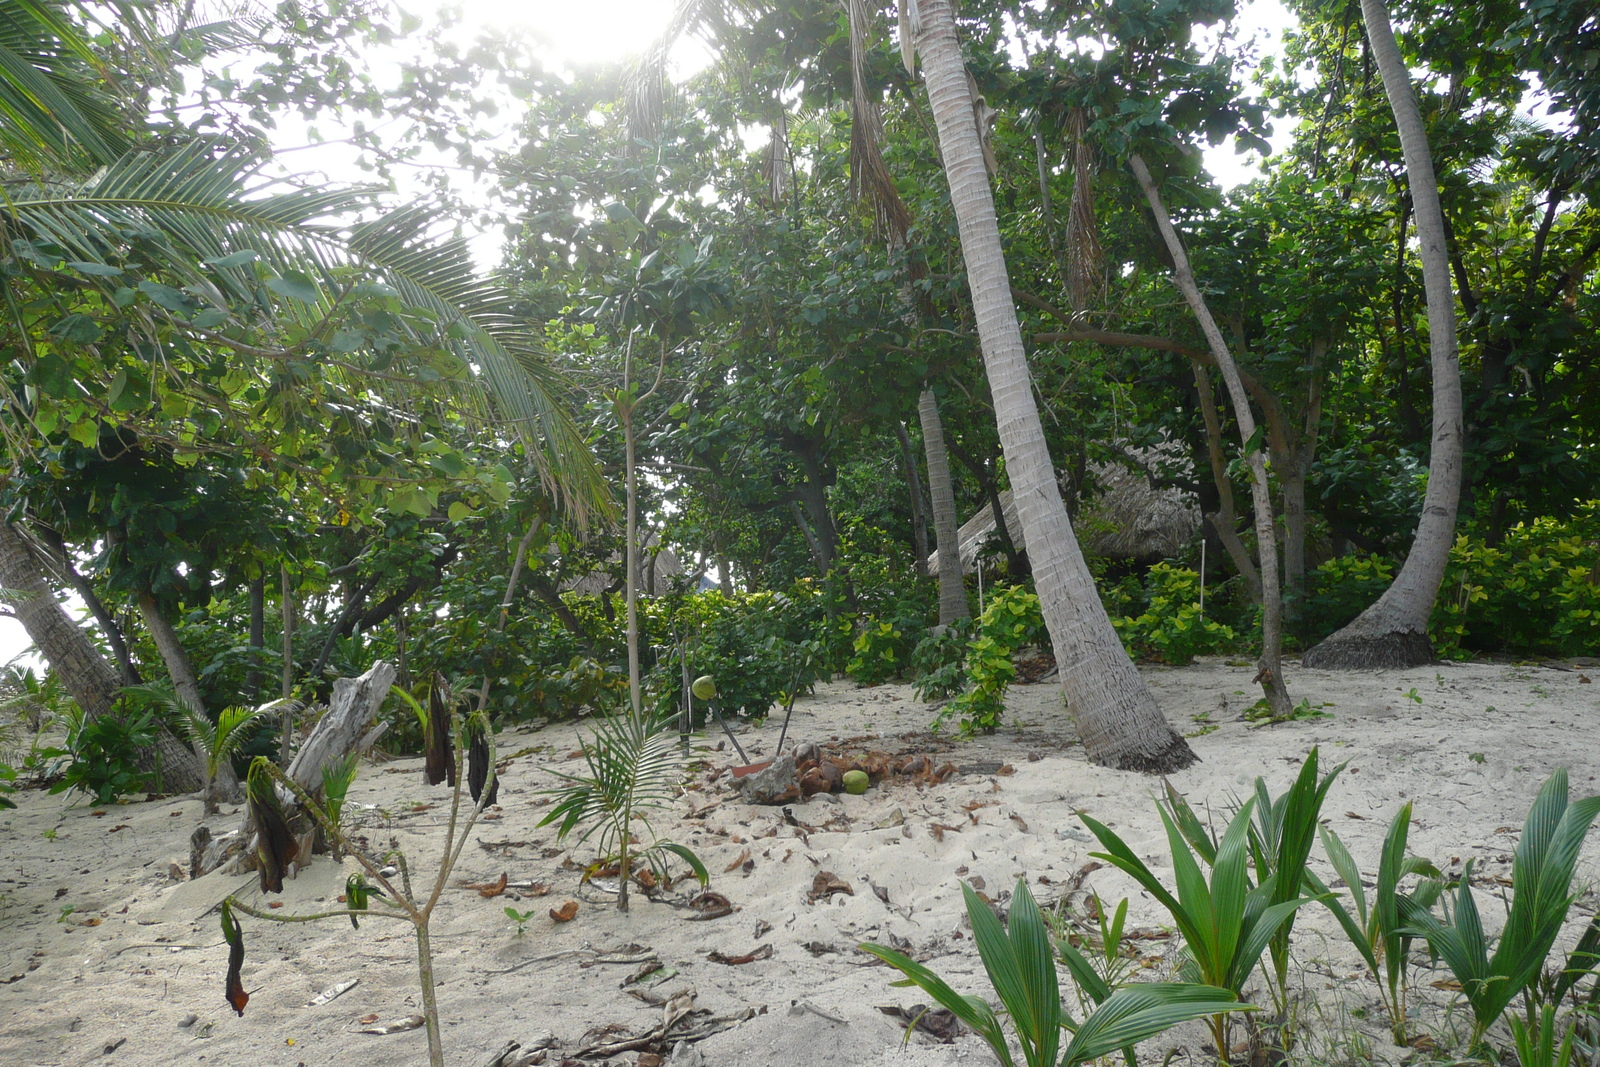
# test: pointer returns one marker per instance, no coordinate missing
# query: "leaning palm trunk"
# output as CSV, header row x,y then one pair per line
x,y
946,528
1269,667
84,672
1117,717
1393,632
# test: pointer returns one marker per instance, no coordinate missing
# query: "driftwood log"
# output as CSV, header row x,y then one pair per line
x,y
349,725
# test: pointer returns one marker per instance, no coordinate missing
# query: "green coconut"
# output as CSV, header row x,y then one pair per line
x,y
856,782
704,688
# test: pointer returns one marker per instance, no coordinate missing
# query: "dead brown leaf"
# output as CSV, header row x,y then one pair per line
x,y
762,953
487,889
709,905
826,884
736,864
566,913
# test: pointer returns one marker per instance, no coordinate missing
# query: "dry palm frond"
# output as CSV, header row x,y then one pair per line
x,y
779,161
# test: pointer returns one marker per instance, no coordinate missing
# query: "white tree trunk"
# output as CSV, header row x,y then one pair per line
x,y
1270,666
1117,717
946,524
92,681
1393,632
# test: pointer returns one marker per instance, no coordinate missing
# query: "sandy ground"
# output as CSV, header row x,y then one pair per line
x,y
133,972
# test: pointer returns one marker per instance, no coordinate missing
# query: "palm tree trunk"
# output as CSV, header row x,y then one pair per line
x,y
1117,717
1270,666
919,520
1393,632
92,681
946,524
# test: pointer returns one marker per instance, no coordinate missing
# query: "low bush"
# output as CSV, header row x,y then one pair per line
x,y
939,662
1535,593
1171,628
1011,620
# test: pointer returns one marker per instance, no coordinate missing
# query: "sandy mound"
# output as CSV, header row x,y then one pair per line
x,y
104,946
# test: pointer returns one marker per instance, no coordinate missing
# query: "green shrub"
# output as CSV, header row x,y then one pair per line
x,y
1339,590
105,755
1172,629
1536,593
938,662
757,646
1011,620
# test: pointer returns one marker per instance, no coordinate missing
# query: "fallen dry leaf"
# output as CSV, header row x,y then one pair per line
x,y
368,1019
487,889
736,864
762,953
566,913
1021,822
826,884
709,905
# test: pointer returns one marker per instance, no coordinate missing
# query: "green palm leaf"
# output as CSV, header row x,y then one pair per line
x,y
199,215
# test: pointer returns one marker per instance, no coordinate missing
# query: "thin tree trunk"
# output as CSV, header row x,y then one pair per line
x,y
1393,632
946,524
258,636
919,519
226,784
1226,518
92,681
102,617
286,723
1270,666
1118,720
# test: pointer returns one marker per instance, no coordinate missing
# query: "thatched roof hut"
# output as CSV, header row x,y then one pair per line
x,y
658,565
1129,519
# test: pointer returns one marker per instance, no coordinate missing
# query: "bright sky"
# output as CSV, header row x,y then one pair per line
x,y
573,33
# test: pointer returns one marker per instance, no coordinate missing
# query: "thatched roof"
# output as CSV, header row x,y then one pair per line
x,y
658,565
1128,519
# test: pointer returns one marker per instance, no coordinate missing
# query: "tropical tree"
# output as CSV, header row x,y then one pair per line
x,y
181,248
1118,720
1393,632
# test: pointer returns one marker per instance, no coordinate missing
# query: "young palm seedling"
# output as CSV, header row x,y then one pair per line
x,y
1541,886
1375,927
634,768
378,898
1280,847
1021,966
216,741
1226,925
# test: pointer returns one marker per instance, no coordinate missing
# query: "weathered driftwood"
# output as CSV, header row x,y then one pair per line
x,y
348,726
351,712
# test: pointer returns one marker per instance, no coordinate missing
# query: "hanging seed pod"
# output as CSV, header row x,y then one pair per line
x,y
275,844
478,760
234,990
438,753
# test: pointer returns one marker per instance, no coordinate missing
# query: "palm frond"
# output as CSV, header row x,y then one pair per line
x,y
53,113
201,215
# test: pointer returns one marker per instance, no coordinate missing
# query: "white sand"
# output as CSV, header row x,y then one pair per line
x,y
155,955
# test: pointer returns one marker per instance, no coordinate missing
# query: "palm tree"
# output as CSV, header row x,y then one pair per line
x,y
1117,717
1393,632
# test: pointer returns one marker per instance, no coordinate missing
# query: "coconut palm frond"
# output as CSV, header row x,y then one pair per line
x,y
438,275
634,766
869,174
199,216
52,113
